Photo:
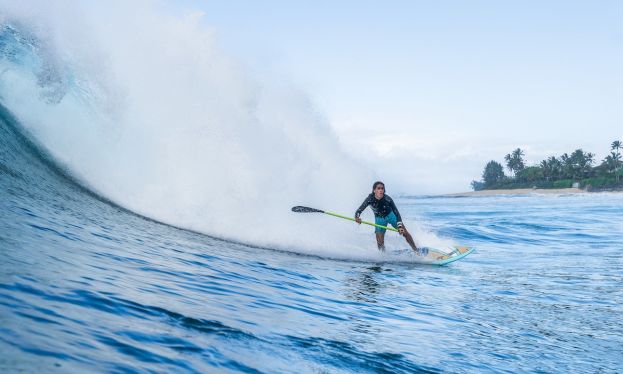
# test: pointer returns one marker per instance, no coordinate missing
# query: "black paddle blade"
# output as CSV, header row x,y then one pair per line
x,y
304,209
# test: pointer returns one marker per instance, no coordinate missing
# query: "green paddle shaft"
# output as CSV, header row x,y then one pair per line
x,y
367,223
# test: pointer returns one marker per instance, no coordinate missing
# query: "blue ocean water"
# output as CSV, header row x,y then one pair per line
x,y
88,286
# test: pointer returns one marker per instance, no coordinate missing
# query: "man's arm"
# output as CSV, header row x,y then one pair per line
x,y
363,206
395,210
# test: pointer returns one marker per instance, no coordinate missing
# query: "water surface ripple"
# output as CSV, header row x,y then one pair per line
x,y
86,285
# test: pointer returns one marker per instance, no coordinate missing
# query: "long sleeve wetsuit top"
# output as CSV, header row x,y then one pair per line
x,y
381,208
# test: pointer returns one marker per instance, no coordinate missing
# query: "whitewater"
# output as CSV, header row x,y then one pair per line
x,y
146,181
145,109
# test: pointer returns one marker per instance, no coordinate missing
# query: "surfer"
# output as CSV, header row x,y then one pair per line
x,y
385,212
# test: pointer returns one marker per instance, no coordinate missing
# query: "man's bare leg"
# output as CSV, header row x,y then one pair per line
x,y
409,239
380,240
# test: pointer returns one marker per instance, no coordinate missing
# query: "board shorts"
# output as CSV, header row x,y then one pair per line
x,y
383,221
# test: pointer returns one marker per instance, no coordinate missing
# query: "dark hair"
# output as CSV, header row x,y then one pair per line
x,y
376,184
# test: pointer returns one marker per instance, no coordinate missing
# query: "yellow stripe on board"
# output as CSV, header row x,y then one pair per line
x,y
462,249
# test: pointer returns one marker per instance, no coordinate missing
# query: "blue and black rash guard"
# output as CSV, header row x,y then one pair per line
x,y
381,208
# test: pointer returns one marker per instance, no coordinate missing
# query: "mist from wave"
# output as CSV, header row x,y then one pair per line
x,y
138,102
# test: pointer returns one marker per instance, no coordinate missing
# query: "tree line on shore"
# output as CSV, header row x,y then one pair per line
x,y
555,172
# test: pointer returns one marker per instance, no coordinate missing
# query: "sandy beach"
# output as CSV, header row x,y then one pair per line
x,y
522,191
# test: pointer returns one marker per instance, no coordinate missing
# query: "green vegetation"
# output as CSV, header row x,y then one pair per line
x,y
561,172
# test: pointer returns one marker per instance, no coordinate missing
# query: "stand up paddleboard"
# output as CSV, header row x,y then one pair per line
x,y
434,256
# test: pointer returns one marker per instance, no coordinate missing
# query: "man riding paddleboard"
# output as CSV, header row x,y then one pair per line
x,y
385,212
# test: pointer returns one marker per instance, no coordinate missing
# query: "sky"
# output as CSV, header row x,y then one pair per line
x,y
427,92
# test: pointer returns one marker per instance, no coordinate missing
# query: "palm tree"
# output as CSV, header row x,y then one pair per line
x,y
546,170
514,161
555,166
551,167
518,155
567,166
611,162
616,145
587,163
579,163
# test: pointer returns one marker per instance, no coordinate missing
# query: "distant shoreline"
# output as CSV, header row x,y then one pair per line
x,y
526,191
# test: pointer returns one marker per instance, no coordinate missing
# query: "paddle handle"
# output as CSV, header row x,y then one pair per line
x,y
367,223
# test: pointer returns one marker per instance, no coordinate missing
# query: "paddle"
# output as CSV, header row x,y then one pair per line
x,y
304,209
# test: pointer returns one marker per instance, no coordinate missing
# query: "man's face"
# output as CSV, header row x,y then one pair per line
x,y
379,191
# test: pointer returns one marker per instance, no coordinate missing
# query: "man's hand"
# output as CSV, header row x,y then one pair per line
x,y
358,220
401,229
